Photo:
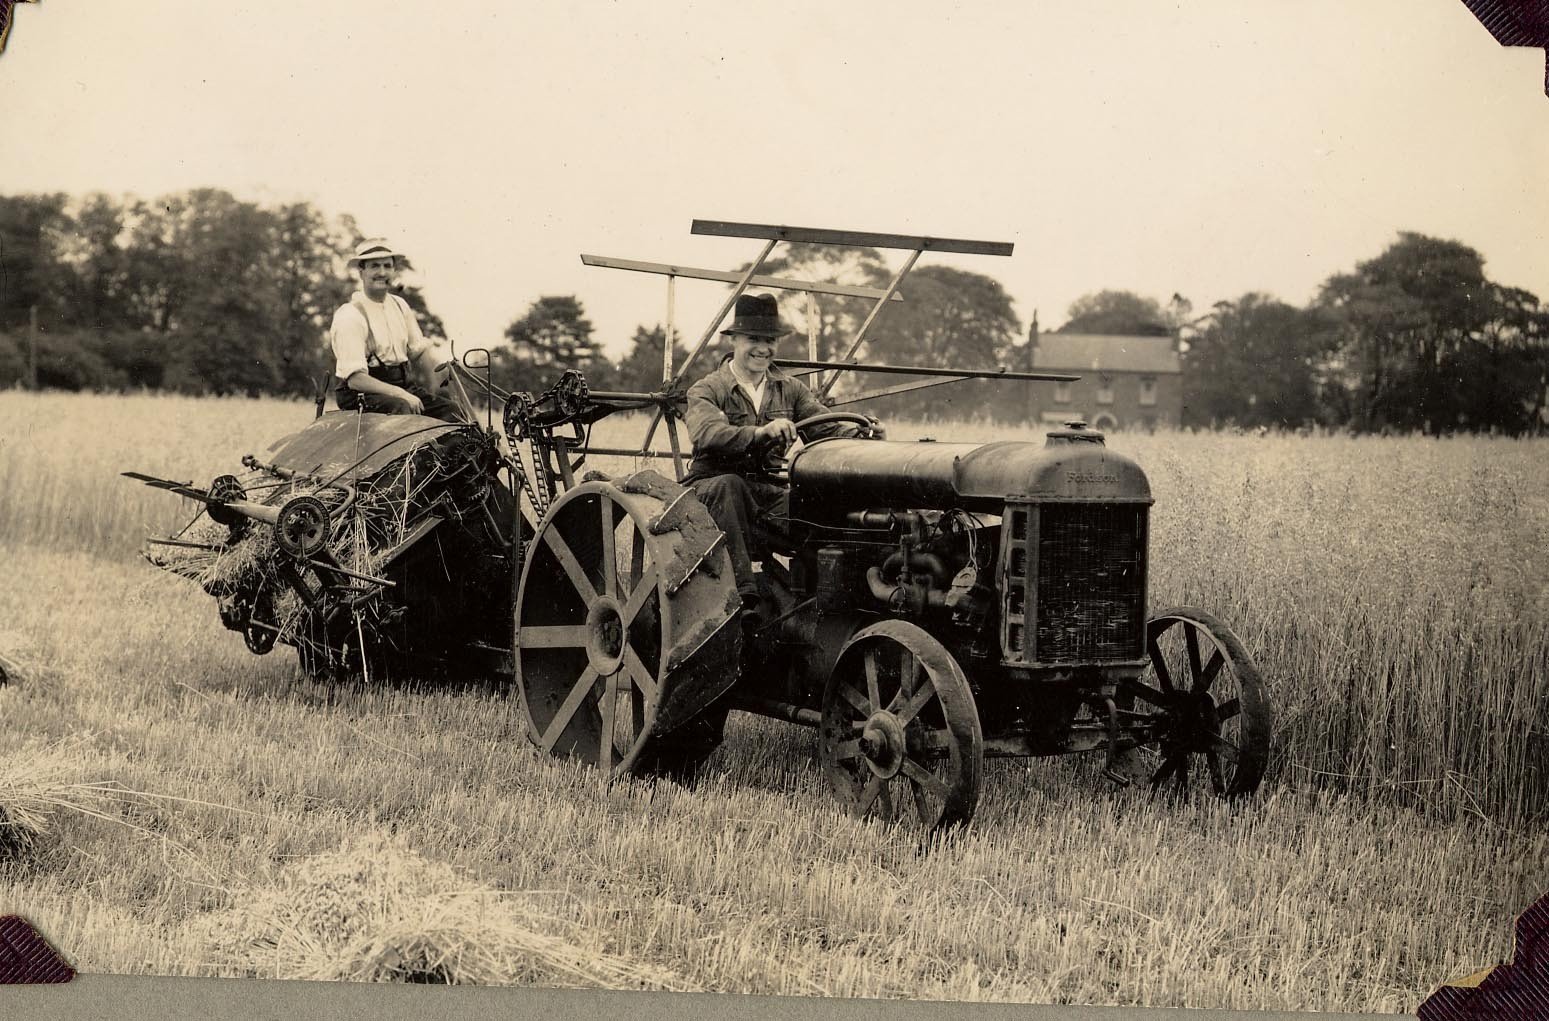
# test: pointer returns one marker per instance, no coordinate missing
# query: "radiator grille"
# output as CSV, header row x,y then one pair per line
x,y
1084,597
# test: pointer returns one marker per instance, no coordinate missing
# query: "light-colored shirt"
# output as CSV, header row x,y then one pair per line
x,y
393,334
755,393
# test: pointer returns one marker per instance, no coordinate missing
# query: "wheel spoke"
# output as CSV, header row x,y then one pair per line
x,y
644,682
553,636
1226,710
1146,693
610,566
1167,768
1213,668
1191,643
907,711
855,698
1227,745
1159,664
872,693
606,748
908,669
568,561
885,795
921,807
567,709
930,781
636,556
643,587
869,794
1217,777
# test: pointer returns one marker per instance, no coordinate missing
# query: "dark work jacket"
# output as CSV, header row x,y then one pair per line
x,y
722,420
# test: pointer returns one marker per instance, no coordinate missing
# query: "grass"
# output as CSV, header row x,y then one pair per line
x,y
1391,590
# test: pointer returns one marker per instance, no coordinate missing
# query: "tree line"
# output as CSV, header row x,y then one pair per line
x,y
201,292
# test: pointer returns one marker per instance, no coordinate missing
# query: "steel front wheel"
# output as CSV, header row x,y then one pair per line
x,y
900,732
1208,713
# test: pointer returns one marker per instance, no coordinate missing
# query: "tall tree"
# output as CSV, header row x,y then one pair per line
x,y
1254,362
91,246
1118,312
952,319
308,290
1503,375
30,269
641,368
1424,335
551,336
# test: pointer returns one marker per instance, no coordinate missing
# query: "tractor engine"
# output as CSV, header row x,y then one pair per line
x,y
1026,557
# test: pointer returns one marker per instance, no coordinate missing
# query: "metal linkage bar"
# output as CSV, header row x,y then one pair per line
x,y
693,273
628,452
920,370
722,228
888,391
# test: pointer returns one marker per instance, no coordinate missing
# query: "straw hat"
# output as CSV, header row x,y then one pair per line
x,y
372,248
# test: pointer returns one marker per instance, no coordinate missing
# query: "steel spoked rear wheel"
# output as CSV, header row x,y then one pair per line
x,y
611,655
900,732
1209,712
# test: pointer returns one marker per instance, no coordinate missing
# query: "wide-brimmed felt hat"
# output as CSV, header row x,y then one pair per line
x,y
372,248
758,315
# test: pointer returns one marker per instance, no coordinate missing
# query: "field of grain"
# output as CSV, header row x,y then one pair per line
x,y
178,806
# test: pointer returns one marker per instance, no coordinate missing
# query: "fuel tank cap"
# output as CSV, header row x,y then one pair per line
x,y
1075,431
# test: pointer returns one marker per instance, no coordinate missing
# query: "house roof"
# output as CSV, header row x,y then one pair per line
x,y
1094,352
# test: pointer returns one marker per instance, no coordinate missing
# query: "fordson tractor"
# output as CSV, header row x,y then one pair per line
x,y
931,604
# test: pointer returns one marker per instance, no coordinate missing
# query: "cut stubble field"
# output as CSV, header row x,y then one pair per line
x,y
175,805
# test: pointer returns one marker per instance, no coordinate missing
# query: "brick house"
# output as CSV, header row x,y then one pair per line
x,y
1127,382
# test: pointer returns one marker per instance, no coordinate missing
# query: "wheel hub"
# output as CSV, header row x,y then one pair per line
x,y
605,636
302,527
1191,721
883,743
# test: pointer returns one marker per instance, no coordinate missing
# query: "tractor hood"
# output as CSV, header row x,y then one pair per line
x,y
832,476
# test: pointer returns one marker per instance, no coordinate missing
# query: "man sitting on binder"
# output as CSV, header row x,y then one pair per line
x,y
375,336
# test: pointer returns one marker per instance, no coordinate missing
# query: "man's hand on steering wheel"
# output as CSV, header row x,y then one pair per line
x,y
778,433
869,427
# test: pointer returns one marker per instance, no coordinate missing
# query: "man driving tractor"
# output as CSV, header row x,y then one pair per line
x,y
740,418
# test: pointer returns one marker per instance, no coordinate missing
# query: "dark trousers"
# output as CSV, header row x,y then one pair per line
x,y
435,405
749,512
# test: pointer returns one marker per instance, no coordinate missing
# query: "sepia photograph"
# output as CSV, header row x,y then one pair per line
x,y
975,503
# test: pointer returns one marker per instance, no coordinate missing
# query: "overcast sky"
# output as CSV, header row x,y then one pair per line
x,y
1204,148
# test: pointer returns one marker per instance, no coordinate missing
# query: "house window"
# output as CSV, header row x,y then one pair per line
x,y
1062,393
1104,389
1147,390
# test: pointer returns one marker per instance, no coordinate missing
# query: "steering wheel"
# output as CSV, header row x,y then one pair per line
x,y
854,417
779,461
